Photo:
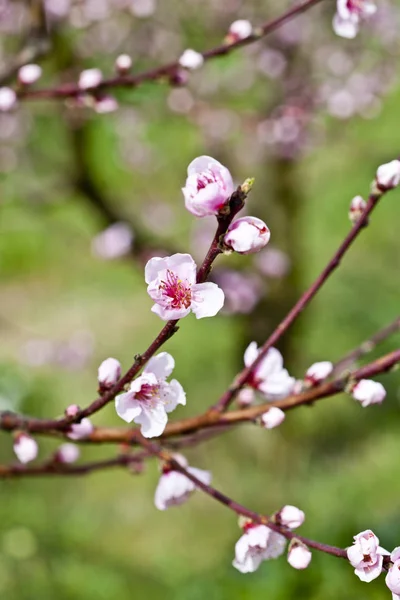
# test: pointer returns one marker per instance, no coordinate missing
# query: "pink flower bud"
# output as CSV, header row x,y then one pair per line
x,y
247,235
123,64
67,453
239,30
208,186
105,105
191,59
90,78
109,372
366,555
72,410
25,448
357,207
8,99
273,417
245,397
388,175
29,74
80,431
290,516
368,392
393,576
299,556
318,371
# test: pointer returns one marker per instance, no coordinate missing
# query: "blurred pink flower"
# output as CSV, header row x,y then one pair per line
x,y
174,488
273,417
208,186
29,74
25,448
8,99
388,175
191,59
80,431
318,371
268,377
357,207
367,392
258,543
67,453
113,242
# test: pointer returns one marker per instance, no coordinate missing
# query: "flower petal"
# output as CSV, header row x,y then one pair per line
x,y
208,299
152,420
169,314
161,365
127,407
173,394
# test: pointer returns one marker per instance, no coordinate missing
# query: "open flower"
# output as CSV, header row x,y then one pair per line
x,y
172,285
366,555
258,543
151,397
393,576
367,392
25,448
348,15
208,186
247,235
268,377
174,488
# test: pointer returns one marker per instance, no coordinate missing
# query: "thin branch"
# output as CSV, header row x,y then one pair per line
x,y
301,304
169,70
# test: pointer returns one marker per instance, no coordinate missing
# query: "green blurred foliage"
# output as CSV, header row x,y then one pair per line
x,y
100,537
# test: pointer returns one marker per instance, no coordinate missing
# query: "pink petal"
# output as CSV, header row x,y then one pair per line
x,y
208,299
161,365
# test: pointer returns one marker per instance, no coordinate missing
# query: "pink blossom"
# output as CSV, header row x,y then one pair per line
x,y
366,555
113,242
242,290
393,576
67,453
208,186
299,556
273,263
80,431
123,63
245,397
318,371
258,543
348,15
368,392
239,30
172,285
388,175
25,448
105,105
72,410
151,397
8,99
290,516
109,372
273,417
29,74
357,207
191,59
268,377
90,78
174,488
247,235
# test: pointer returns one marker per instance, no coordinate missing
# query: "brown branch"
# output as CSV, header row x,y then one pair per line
x,y
301,304
169,70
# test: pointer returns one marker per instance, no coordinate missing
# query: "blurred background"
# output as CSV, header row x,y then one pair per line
x,y
86,198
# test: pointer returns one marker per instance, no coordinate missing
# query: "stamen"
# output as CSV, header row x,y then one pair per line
x,y
175,291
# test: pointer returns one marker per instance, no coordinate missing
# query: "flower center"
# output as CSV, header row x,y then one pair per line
x,y
175,291
356,6
147,392
204,179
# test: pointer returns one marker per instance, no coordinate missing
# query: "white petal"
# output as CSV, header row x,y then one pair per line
x,y
347,28
249,564
152,420
172,489
202,163
169,314
173,394
278,384
127,407
161,365
250,354
203,476
208,300
271,363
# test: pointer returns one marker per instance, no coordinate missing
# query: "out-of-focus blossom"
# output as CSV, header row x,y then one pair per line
x,y
80,431
290,516
172,285
268,377
29,74
273,417
357,207
366,555
272,63
367,392
349,14
113,242
273,263
25,448
191,59
242,290
8,99
90,78
208,186
105,105
388,175
109,372
393,576
239,30
245,397
318,371
247,235
174,488
258,543
143,8
72,410
299,556
151,397
123,64
57,9
67,453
